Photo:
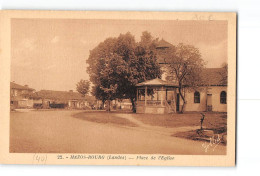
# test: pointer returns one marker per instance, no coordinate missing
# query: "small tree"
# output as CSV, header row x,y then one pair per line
x,y
185,64
83,87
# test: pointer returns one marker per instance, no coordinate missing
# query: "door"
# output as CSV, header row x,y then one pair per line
x,y
178,102
209,102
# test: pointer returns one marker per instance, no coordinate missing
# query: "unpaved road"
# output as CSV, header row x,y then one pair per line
x,y
59,132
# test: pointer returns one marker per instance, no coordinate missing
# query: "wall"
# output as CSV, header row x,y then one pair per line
x,y
216,105
39,101
164,72
150,110
22,104
191,106
29,103
202,106
25,103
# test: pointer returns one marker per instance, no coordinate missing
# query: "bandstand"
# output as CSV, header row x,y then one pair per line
x,y
157,97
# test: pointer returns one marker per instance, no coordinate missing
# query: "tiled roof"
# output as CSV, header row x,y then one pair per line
x,y
17,86
213,77
162,50
63,95
163,44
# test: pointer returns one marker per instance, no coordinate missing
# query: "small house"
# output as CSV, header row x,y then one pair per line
x,y
20,96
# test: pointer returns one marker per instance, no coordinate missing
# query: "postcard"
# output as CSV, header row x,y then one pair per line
x,y
118,88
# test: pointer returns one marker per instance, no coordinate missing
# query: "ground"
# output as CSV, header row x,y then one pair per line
x,y
213,124
101,132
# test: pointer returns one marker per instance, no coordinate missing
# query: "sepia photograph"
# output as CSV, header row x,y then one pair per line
x,y
120,86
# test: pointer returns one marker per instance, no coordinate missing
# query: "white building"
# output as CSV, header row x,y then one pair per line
x,y
161,96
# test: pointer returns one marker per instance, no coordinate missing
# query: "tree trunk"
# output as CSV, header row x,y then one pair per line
x,y
109,106
133,105
183,99
184,103
103,105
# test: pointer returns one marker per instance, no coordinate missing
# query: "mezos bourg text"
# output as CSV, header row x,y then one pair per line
x,y
119,157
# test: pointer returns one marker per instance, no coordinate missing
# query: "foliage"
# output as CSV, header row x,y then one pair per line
x,y
116,65
83,87
185,64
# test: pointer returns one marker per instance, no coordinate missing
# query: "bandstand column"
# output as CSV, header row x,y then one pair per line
x,y
162,96
137,99
145,96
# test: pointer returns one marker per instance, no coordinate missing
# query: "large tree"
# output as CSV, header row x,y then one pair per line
x,y
118,64
185,64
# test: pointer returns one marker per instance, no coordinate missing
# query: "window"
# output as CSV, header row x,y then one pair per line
x,y
223,97
196,97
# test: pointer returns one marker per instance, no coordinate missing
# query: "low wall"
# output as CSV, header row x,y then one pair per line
x,y
150,110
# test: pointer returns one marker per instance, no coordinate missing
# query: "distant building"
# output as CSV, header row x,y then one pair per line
x,y
161,96
63,99
26,97
20,96
125,104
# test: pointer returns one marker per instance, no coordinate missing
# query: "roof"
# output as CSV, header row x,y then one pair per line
x,y
213,76
163,44
17,86
63,95
209,76
162,50
156,82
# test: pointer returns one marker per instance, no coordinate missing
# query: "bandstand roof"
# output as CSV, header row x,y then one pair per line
x,y
163,44
157,82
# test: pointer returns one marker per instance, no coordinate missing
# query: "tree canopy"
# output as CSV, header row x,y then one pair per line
x,y
185,64
116,65
83,87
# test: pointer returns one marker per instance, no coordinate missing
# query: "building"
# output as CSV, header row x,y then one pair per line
x,y
161,96
211,95
26,97
21,96
63,99
125,104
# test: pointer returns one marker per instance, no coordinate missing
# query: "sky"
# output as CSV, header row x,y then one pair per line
x,y
51,53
